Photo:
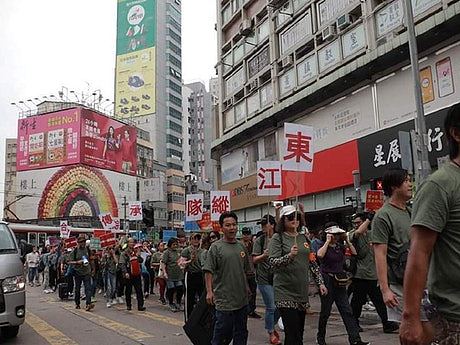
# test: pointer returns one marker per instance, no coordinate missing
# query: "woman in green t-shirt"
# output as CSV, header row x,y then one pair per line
x,y
290,256
173,275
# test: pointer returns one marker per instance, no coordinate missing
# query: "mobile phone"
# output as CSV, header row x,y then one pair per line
x,y
277,203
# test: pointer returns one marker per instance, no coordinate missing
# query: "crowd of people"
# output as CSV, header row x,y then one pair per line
x,y
352,269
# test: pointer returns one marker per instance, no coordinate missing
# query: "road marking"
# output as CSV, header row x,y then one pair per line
x,y
124,330
157,317
48,332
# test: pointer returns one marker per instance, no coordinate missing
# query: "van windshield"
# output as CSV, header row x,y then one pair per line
x,y
7,243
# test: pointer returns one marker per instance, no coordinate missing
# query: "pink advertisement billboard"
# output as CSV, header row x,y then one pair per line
x,y
48,140
107,143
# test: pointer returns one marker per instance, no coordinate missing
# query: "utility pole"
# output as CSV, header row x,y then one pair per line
x,y
422,168
125,204
357,186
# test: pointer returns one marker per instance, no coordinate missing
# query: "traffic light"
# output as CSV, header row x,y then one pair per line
x,y
148,217
376,184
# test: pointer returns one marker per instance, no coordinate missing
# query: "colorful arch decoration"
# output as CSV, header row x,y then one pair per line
x,y
77,190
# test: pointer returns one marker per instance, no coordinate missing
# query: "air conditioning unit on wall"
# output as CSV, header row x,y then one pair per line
x,y
287,61
253,85
329,32
276,3
246,27
344,21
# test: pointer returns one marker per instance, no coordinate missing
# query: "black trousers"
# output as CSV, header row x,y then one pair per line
x,y
194,290
120,284
294,324
53,278
252,299
363,288
137,283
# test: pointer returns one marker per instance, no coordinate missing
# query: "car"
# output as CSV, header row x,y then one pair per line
x,y
12,287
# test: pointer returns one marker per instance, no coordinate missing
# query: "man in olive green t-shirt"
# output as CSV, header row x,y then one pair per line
x,y
435,249
390,231
226,285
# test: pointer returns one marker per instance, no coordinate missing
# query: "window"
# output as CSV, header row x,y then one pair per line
x,y
174,166
174,36
175,87
226,13
270,146
175,100
174,153
174,48
175,127
6,240
263,31
175,74
171,139
175,113
174,12
176,62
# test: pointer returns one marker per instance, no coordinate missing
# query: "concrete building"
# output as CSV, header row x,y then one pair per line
x,y
156,32
340,66
10,196
186,130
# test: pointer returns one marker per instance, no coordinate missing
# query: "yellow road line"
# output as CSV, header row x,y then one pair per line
x,y
124,330
157,317
48,332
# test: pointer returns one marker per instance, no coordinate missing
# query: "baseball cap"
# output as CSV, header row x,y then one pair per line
x,y
334,230
287,210
268,218
246,231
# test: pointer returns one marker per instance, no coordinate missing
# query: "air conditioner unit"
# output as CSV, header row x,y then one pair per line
x,y
253,85
344,21
246,27
276,3
229,102
287,61
328,32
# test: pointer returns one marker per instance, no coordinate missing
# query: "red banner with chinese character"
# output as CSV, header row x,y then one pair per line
x,y
374,200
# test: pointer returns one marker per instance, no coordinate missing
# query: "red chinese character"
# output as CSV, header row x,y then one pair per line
x,y
299,146
194,207
135,210
106,219
220,204
262,175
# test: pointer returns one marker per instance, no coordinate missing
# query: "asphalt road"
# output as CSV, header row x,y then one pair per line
x,y
55,322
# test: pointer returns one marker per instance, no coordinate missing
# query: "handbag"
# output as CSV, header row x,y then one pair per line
x,y
341,279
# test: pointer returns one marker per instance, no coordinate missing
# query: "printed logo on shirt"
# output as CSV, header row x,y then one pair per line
x,y
306,245
242,254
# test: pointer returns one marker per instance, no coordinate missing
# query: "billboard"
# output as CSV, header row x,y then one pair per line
x,y
48,140
135,64
107,143
74,190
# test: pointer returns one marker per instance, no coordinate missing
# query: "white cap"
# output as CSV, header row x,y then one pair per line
x,y
287,210
334,230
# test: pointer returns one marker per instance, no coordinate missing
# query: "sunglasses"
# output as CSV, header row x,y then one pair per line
x,y
292,216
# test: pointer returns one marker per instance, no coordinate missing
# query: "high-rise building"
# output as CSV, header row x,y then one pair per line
x,y
10,196
148,85
340,66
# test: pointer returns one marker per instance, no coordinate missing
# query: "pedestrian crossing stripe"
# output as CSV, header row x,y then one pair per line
x,y
52,335
157,317
122,329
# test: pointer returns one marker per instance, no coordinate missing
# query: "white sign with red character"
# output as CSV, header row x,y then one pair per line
x,y
194,207
135,210
298,149
268,178
64,229
109,222
220,203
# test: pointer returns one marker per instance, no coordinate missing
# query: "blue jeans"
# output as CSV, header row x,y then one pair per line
x,y
87,283
110,286
33,274
271,313
231,324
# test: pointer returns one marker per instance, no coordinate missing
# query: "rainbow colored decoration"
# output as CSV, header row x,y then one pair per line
x,y
77,190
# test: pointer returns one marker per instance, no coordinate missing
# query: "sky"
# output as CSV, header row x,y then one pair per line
x,y
49,45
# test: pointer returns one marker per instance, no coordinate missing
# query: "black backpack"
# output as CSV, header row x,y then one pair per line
x,y
398,265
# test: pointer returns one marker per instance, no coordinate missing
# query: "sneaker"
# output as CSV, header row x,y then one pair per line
x,y
369,306
120,300
93,300
77,306
146,295
163,301
274,340
173,308
254,315
390,327
109,305
141,308
89,307
100,291
280,324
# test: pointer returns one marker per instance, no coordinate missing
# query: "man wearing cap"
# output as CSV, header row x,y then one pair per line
x,y
130,264
251,274
194,283
80,259
264,276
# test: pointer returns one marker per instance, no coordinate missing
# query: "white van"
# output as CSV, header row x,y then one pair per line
x,y
12,284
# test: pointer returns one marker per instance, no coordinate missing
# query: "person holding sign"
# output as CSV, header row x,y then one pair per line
x,y
130,263
289,255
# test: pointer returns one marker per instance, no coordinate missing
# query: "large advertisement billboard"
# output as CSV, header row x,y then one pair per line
x,y
135,65
74,190
48,140
107,143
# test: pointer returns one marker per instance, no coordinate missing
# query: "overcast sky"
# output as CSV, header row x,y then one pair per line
x,y
48,44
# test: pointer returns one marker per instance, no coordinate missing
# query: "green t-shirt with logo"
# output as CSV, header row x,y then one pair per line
x,y
228,263
170,258
437,207
391,227
264,273
77,255
365,263
290,281
191,253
